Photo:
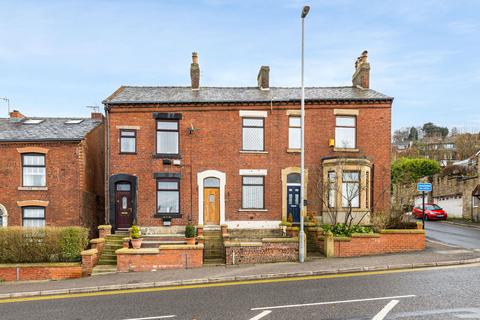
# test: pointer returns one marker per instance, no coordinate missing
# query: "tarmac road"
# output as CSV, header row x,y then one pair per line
x,y
459,236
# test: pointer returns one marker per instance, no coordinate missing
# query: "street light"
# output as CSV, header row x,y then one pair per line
x,y
301,235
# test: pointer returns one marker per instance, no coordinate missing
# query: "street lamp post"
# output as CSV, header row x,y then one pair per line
x,y
301,235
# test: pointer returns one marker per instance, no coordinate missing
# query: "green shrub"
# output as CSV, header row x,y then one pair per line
x,y
189,231
135,232
342,230
50,244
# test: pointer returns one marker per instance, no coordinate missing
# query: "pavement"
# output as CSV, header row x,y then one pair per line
x,y
441,293
436,254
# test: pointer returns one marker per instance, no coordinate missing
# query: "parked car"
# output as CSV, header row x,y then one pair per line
x,y
432,212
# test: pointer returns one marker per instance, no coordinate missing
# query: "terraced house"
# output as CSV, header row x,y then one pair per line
x,y
52,171
231,155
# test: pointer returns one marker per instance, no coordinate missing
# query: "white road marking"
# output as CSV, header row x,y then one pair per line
x,y
261,315
442,243
153,318
383,313
332,302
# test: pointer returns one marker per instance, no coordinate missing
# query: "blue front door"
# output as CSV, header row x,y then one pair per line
x,y
293,202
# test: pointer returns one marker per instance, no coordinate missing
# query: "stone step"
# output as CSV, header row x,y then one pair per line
x,y
107,261
213,262
104,269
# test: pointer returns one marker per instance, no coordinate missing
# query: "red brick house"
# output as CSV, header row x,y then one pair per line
x,y
53,171
230,155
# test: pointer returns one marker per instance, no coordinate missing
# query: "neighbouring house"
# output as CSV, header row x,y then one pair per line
x,y
231,155
52,171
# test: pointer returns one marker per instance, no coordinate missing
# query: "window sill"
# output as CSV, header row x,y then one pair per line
x,y
346,150
32,188
253,152
167,156
127,153
167,215
294,150
252,210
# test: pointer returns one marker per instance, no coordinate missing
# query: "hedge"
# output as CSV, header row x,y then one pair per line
x,y
50,244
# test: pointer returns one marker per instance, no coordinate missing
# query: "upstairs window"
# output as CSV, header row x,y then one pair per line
x,y
33,170
167,137
252,192
33,217
253,135
168,196
294,131
351,189
345,132
128,141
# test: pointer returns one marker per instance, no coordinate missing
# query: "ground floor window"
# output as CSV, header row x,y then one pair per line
x,y
33,217
351,189
168,196
252,192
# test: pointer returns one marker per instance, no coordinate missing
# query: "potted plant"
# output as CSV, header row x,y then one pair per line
x,y
135,237
190,234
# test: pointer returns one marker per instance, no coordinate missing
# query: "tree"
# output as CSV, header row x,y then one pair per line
x,y
466,145
400,135
413,134
431,130
410,170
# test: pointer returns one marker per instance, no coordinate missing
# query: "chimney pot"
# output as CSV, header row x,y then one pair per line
x,y
195,72
263,78
15,114
361,77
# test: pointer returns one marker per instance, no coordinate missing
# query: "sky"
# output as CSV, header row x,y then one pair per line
x,y
57,57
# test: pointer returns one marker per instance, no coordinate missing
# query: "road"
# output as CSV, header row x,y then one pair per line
x,y
459,236
440,293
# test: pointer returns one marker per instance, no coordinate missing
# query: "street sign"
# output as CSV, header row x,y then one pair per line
x,y
424,187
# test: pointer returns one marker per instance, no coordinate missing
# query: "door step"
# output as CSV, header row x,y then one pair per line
x,y
104,269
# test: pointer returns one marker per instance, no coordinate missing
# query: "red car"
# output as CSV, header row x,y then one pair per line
x,y
432,212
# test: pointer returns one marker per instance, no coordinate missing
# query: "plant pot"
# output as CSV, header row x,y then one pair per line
x,y
136,243
190,241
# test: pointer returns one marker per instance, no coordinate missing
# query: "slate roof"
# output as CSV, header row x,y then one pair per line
x,y
50,129
134,94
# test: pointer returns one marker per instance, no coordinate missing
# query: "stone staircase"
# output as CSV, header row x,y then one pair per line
x,y
213,250
253,235
107,262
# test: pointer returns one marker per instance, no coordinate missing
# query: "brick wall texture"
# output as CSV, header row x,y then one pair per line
x,y
40,273
267,253
165,259
217,143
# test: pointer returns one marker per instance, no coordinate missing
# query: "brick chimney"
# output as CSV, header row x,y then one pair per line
x,y
361,77
15,114
263,78
195,72
97,116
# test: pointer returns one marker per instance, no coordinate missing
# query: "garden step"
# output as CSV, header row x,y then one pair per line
x,y
214,261
107,262
103,269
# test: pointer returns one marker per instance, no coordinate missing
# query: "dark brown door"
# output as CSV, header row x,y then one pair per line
x,y
211,206
123,205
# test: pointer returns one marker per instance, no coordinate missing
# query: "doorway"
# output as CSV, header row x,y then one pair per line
x,y
211,201
123,205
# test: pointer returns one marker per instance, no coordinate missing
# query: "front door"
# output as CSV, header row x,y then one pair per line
x,y
211,206
123,205
293,202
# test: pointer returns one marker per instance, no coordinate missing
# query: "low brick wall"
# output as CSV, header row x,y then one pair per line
x,y
89,260
39,271
387,241
165,257
267,251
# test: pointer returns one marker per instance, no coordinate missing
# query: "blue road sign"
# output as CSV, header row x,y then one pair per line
x,y
424,187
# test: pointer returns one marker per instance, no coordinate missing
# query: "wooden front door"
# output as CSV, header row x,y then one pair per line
x,y
211,206
123,205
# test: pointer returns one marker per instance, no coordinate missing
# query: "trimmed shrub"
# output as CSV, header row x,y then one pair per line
x,y
135,232
50,244
189,231
342,230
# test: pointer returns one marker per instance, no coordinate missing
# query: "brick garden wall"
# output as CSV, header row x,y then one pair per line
x,y
217,144
40,272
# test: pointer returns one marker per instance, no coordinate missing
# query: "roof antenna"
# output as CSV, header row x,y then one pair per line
x,y
8,103
95,109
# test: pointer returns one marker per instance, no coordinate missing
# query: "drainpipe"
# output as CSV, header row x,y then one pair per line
x,y
107,165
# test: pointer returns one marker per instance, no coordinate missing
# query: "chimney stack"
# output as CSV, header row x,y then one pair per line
x,y
15,114
263,78
195,72
361,77
96,116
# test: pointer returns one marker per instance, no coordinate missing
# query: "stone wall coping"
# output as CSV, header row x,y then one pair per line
x,y
342,239
180,246
242,244
365,235
40,265
97,240
137,251
280,240
89,252
104,226
200,237
402,231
